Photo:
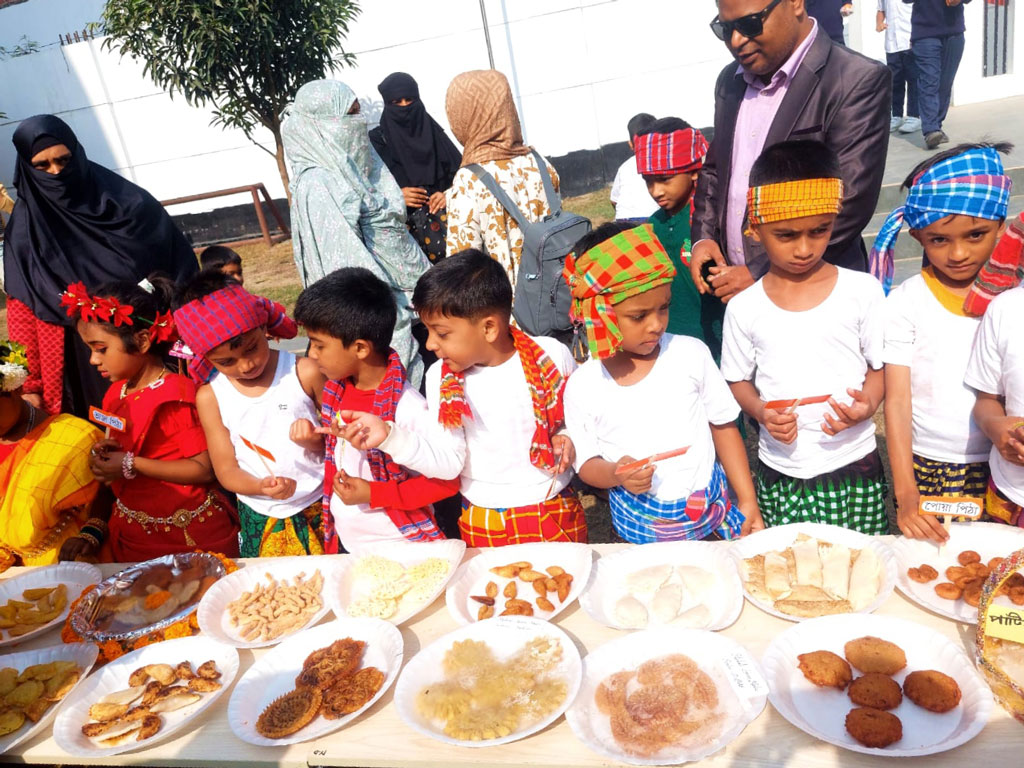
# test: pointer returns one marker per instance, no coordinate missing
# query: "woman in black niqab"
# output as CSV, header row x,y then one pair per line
x,y
84,223
420,156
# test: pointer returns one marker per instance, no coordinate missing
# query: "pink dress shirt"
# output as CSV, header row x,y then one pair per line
x,y
753,121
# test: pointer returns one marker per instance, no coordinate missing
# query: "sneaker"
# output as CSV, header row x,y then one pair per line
x,y
933,139
910,125
894,123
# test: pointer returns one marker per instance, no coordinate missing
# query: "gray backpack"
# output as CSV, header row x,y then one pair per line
x,y
542,300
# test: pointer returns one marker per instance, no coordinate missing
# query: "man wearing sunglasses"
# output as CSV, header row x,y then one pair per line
x,y
789,81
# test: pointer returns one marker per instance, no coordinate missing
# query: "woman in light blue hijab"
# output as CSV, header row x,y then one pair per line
x,y
347,209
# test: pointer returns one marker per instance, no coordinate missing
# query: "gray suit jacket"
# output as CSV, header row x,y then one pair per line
x,y
838,97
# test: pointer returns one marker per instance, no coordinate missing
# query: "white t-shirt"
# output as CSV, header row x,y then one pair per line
x,y
897,20
669,408
997,367
935,344
360,524
265,420
629,193
824,350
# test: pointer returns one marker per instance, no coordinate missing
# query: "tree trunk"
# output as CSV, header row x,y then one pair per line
x,y
281,167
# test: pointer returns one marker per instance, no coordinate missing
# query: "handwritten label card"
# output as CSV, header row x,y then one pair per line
x,y
105,419
744,675
1006,622
951,506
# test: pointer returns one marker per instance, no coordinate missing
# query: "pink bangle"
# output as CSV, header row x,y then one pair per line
x,y
128,466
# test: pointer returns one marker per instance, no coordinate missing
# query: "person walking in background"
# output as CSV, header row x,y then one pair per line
x,y
75,221
937,40
893,18
347,209
483,118
629,194
829,15
420,156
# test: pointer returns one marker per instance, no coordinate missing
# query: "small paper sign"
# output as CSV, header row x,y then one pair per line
x,y
781,405
653,459
951,506
105,419
1006,622
744,676
260,451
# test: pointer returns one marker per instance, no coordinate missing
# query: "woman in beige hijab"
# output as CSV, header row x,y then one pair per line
x,y
483,118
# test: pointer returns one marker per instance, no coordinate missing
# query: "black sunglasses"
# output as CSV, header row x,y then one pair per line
x,y
750,25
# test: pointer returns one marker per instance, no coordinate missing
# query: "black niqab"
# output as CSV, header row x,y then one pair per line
x,y
85,223
410,142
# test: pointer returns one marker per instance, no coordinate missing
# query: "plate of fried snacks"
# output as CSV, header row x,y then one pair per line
x,y
877,685
805,570
490,683
144,696
393,581
146,597
999,641
315,682
539,580
673,583
948,579
263,602
645,702
40,598
33,683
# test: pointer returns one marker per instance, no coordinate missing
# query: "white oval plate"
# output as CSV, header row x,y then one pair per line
x,y
214,618
987,539
77,576
83,654
505,635
340,592
821,712
782,536
473,576
742,689
274,675
74,713
607,579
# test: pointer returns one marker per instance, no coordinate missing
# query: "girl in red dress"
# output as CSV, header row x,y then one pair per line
x,y
158,466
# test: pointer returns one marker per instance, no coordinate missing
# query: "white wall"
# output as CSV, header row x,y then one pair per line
x,y
579,69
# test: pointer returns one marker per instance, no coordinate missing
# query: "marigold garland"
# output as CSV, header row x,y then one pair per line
x,y
113,649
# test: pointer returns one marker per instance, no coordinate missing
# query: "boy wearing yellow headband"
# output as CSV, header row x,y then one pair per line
x,y
645,392
808,330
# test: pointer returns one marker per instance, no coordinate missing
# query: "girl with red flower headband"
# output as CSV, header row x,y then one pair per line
x,y
158,466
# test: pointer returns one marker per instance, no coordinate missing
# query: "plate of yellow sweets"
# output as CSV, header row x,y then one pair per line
x,y
37,600
490,682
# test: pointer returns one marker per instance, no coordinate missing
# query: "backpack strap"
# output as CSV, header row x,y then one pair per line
x,y
554,199
500,195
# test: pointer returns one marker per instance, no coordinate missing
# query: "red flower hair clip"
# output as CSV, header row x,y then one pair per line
x,y
76,298
94,309
163,328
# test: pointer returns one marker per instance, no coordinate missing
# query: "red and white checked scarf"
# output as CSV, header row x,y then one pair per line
x,y
667,154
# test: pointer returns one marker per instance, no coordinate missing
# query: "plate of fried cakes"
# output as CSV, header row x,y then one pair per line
x,y
947,580
145,696
666,696
490,683
316,682
33,683
876,684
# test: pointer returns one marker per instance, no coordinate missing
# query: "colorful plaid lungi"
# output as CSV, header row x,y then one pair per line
x,y
643,518
1001,509
263,536
560,518
850,497
943,478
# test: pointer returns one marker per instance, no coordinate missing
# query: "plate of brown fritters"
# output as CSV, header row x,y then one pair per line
x,y
947,580
316,682
145,696
877,685
32,685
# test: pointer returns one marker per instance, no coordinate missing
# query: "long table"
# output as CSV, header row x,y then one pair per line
x,y
379,738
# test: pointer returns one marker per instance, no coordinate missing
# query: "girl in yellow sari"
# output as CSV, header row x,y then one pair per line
x,y
46,486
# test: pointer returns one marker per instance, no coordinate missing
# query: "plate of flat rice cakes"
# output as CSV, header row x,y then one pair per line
x,y
805,570
315,682
876,684
145,697
666,696
266,600
39,599
32,685
947,580
393,581
490,682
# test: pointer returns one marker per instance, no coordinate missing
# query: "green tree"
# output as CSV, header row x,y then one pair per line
x,y
245,58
